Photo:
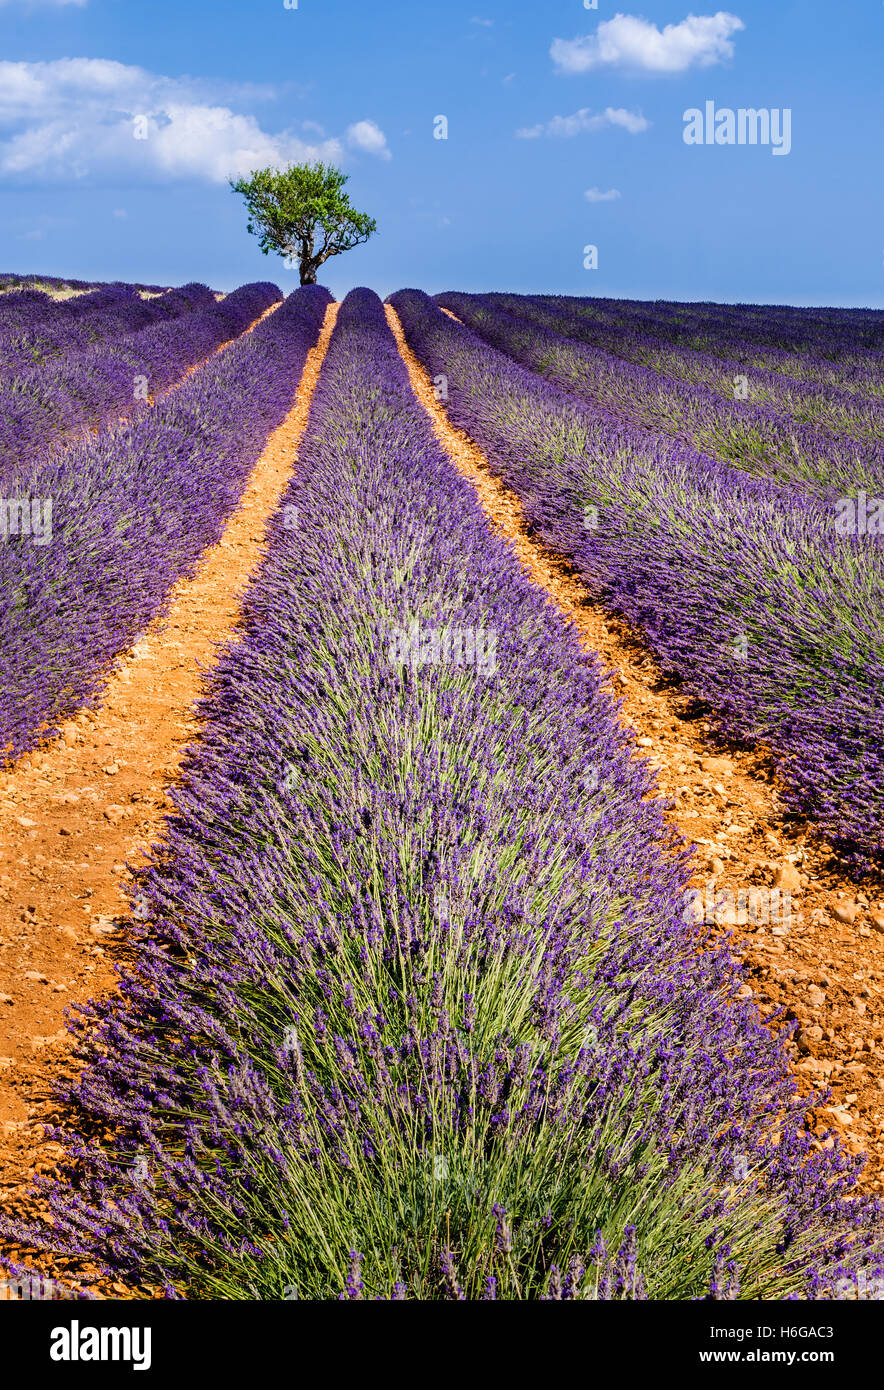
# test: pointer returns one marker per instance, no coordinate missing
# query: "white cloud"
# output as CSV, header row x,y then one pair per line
x,y
44,224
75,118
369,138
583,122
628,41
595,195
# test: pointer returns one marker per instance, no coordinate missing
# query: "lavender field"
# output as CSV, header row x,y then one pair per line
x,y
412,999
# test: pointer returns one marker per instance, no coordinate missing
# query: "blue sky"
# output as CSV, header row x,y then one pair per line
x,y
565,129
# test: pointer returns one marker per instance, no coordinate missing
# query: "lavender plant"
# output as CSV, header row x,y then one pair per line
x,y
833,359
414,1011
826,407
756,439
129,514
47,407
32,331
746,590
830,333
12,283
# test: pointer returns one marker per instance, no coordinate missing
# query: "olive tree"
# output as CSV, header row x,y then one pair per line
x,y
303,213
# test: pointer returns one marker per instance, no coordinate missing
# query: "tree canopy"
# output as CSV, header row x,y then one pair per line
x,y
302,212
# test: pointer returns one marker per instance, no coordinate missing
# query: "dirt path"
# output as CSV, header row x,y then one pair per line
x,y
815,947
73,813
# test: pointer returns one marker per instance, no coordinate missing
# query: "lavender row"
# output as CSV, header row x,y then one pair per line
x,y
838,361
415,1012
800,327
29,340
27,309
815,403
36,306
756,439
847,368
760,600
824,332
49,406
11,282
92,541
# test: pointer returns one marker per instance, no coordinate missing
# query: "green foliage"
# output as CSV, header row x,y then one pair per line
x,y
302,211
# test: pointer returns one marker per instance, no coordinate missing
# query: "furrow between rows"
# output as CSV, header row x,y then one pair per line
x,y
817,954
73,814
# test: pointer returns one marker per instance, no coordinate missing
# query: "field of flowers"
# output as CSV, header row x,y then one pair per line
x,y
123,516
412,1007
77,388
752,591
35,327
842,445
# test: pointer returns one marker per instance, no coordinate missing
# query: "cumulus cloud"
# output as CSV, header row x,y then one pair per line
x,y
595,195
585,122
369,138
79,118
628,41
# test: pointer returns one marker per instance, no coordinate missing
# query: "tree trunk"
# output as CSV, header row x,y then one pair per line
x,y
308,273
